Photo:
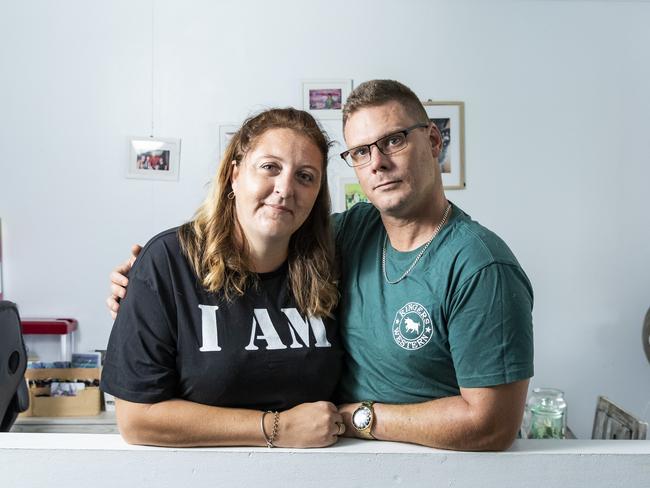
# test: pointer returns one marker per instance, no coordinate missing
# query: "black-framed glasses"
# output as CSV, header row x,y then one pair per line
x,y
390,144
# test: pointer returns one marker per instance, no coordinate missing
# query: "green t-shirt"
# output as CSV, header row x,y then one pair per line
x,y
462,317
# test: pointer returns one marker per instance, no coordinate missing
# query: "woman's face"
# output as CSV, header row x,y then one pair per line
x,y
276,186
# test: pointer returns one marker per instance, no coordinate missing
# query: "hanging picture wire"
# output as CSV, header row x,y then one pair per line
x,y
154,158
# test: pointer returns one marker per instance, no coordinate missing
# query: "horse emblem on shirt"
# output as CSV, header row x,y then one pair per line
x,y
412,327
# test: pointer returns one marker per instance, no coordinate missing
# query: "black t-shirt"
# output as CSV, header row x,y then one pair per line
x,y
173,339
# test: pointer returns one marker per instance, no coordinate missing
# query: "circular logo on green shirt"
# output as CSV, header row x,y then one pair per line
x,y
412,326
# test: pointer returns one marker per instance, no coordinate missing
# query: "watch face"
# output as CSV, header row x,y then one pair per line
x,y
361,418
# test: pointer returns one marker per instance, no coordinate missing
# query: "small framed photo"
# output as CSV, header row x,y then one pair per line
x,y
226,132
449,117
154,158
350,193
324,99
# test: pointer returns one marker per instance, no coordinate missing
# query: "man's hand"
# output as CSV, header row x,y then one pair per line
x,y
119,281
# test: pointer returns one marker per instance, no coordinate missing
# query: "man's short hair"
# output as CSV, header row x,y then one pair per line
x,y
378,92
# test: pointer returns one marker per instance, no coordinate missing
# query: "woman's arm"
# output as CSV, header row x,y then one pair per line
x,y
181,423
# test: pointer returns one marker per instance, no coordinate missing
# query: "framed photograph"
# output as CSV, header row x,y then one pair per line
x,y
324,99
350,193
449,117
154,158
226,132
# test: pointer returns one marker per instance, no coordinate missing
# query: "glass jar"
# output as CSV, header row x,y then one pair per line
x,y
545,415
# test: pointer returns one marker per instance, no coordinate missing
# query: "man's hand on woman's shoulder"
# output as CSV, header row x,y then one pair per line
x,y
119,281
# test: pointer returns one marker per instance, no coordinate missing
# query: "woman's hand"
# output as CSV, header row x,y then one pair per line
x,y
119,281
307,425
181,423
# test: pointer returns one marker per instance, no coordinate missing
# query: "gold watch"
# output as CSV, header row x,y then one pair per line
x,y
363,419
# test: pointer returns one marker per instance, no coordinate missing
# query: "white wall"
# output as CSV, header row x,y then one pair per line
x,y
557,143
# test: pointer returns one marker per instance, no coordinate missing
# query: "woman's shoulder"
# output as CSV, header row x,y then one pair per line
x,y
158,255
164,241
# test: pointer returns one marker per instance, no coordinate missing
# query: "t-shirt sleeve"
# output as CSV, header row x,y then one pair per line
x,y
140,363
353,225
490,327
337,221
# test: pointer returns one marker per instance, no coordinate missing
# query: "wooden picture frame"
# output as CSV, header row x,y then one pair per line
x,y
449,117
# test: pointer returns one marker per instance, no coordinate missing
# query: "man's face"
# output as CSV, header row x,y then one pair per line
x,y
399,184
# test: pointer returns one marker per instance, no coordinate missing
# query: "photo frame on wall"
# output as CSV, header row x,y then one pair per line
x,y
449,117
350,193
154,158
226,132
324,99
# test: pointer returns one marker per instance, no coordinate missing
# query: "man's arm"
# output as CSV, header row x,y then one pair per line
x,y
479,419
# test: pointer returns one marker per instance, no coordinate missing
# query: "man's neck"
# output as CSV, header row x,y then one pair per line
x,y
412,231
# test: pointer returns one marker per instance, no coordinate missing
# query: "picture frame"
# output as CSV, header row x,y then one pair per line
x,y
449,117
324,99
154,158
350,193
226,132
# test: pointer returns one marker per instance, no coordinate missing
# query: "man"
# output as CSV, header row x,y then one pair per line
x,y
435,311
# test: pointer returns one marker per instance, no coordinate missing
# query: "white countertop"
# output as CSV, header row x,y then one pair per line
x,y
114,442
105,460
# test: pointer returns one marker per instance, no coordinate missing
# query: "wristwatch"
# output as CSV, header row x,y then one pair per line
x,y
363,420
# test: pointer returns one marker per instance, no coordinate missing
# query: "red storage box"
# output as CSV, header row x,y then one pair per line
x,y
50,339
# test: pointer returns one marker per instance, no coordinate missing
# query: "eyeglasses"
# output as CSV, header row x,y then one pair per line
x,y
390,144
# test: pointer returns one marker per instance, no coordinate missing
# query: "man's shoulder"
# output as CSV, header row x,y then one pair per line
x,y
476,245
357,213
361,215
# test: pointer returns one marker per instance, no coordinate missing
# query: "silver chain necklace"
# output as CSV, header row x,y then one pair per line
x,y
417,258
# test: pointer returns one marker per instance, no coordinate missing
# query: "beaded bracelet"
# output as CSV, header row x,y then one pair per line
x,y
274,433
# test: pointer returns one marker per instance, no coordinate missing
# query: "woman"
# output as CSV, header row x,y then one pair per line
x,y
226,336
